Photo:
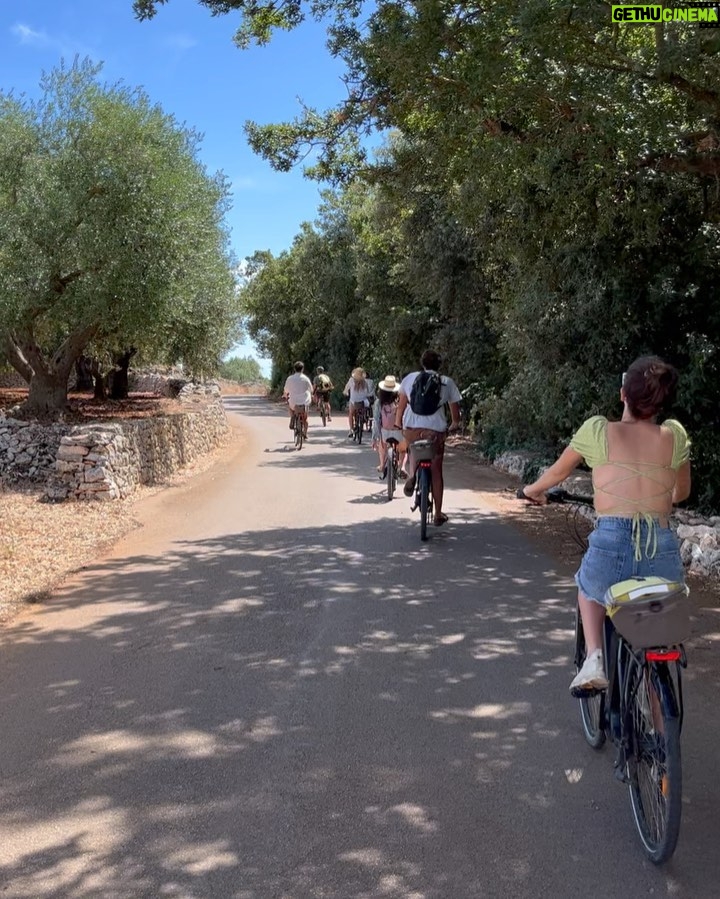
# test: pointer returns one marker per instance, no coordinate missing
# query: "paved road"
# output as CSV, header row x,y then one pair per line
x,y
274,690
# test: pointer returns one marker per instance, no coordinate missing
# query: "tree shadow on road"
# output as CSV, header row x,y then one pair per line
x,y
339,712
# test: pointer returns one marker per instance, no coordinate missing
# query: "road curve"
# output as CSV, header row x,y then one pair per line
x,y
275,691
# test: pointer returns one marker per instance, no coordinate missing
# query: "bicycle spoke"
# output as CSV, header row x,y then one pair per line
x,y
656,772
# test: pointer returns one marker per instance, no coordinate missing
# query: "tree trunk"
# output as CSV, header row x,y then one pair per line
x,y
47,395
119,383
83,373
99,379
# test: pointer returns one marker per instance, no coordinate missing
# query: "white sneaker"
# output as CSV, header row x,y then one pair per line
x,y
592,674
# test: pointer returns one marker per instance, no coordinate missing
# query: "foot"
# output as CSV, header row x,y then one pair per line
x,y
409,486
350,434
402,474
440,520
592,674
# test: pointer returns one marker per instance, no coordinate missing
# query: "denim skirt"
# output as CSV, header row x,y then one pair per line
x,y
611,555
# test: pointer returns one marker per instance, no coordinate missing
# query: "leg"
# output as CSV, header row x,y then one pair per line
x,y
382,454
592,673
593,620
438,484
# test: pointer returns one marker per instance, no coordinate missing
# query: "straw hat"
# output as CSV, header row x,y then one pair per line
x,y
389,382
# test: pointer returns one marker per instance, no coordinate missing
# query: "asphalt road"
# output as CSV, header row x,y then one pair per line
x,y
275,690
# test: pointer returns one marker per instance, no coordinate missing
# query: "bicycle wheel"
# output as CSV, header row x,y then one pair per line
x,y
390,469
323,412
298,433
656,772
424,502
358,429
592,704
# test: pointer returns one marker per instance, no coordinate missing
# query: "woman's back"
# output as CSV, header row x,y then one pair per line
x,y
637,473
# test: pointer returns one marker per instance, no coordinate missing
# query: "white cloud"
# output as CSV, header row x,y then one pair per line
x,y
29,37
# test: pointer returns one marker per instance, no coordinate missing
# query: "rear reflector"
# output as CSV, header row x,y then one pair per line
x,y
665,655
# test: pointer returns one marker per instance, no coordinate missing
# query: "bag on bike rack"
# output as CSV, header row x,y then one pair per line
x,y
423,450
649,611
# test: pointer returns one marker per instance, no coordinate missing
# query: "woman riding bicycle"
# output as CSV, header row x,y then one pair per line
x,y
356,389
639,469
384,429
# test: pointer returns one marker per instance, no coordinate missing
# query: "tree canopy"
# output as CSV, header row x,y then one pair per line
x,y
544,209
111,234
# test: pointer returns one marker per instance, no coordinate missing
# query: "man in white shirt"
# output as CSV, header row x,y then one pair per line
x,y
425,422
298,392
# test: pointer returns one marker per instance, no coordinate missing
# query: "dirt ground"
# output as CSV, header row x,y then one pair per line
x,y
42,543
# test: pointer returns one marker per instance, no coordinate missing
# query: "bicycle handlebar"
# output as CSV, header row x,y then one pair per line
x,y
558,495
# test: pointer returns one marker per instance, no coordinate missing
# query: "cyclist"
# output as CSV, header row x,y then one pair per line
x,y
356,391
421,414
298,392
639,468
322,385
384,410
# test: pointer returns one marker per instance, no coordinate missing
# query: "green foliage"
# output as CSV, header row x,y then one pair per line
x,y
544,211
243,369
110,230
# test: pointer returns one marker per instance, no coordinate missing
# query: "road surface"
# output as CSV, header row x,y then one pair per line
x,y
275,691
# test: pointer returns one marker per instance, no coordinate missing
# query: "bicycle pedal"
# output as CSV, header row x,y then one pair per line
x,y
585,692
620,766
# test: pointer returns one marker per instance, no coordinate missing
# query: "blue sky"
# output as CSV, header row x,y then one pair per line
x,y
185,60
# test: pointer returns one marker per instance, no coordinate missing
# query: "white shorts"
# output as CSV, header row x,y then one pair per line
x,y
391,434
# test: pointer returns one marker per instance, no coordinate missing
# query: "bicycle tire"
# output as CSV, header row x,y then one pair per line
x,y
656,777
424,503
359,430
323,412
390,469
299,433
592,706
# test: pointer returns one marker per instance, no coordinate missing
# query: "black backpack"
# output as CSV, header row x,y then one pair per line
x,y
425,393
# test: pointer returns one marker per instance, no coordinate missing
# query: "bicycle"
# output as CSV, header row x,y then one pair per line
x,y
323,408
423,452
358,424
300,426
392,466
641,711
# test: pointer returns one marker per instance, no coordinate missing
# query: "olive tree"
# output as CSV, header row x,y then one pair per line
x,y
111,234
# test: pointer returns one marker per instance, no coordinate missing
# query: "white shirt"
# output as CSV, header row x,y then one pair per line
x,y
449,393
298,387
356,396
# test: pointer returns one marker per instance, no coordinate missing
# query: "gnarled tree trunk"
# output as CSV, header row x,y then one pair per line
x,y
119,380
47,393
83,373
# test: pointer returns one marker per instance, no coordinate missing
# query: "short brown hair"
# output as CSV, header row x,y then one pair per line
x,y
431,360
299,366
650,384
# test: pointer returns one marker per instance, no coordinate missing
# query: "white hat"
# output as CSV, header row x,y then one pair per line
x,y
389,382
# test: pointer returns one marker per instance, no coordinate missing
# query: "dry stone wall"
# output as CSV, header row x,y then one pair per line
x,y
28,449
699,536
109,461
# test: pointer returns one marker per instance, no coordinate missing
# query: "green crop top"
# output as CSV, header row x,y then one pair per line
x,y
590,441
